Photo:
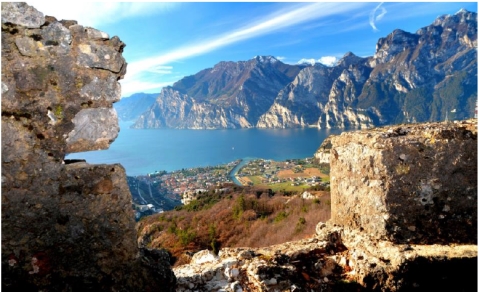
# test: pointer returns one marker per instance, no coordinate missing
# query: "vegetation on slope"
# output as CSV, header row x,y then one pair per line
x,y
241,216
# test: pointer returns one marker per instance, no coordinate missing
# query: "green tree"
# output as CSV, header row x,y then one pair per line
x,y
239,207
212,235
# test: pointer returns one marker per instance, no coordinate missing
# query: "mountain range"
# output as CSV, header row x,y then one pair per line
x,y
130,108
430,75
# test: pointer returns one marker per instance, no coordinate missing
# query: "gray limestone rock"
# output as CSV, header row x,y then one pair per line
x,y
96,34
99,56
27,46
21,13
56,35
100,89
93,129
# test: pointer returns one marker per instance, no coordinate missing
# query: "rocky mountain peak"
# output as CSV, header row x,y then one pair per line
x,y
349,59
461,16
393,44
266,59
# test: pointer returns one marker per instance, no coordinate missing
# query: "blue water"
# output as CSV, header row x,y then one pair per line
x,y
148,150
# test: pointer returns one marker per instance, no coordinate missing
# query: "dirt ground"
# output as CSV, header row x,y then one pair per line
x,y
306,173
244,180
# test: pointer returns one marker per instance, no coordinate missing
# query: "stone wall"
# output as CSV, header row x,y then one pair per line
x,y
65,226
408,184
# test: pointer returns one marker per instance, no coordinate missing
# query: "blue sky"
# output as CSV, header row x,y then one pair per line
x,y
167,41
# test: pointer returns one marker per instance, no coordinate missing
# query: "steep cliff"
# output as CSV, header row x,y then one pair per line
x,y
404,218
413,77
317,92
65,226
429,75
229,95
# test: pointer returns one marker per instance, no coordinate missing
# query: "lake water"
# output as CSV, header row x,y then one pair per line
x,y
143,151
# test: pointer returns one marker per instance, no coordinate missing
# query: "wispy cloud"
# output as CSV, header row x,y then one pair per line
x,y
374,17
96,13
160,69
274,22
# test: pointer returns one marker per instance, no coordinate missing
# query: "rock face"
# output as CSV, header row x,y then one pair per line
x,y
430,168
229,95
411,78
65,226
429,75
404,218
130,108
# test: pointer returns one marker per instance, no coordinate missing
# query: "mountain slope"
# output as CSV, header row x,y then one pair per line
x,y
429,75
229,95
130,108
418,77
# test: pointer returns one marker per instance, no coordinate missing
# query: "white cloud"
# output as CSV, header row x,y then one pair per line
x,y
373,17
95,13
280,58
307,61
326,60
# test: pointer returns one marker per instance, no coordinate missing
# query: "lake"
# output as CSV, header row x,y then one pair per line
x,y
143,151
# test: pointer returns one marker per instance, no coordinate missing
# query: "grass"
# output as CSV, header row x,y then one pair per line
x,y
287,186
256,180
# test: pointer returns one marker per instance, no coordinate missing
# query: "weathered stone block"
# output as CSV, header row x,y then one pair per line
x,y
410,183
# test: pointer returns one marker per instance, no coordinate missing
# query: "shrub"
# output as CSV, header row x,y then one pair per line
x,y
300,225
172,228
185,236
280,216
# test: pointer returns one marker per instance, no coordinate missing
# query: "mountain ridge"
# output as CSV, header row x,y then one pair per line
x,y
424,76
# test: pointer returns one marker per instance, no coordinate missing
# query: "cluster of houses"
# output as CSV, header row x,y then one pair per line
x,y
188,183
268,170
179,184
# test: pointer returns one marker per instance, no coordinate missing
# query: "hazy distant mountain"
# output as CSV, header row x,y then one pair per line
x,y
130,108
413,77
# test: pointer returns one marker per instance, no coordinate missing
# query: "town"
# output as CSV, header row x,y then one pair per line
x,y
161,191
